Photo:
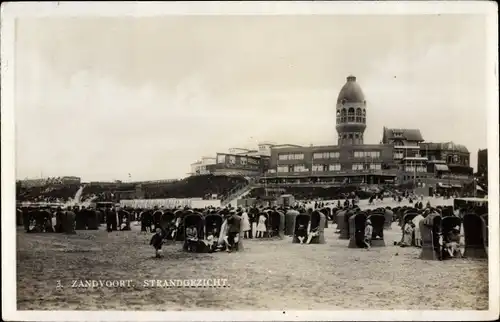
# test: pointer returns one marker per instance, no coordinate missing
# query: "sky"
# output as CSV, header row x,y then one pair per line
x,y
100,98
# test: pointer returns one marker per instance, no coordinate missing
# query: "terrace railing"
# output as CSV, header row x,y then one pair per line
x,y
236,192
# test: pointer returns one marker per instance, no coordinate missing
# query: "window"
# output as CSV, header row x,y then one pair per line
x,y
283,156
357,166
283,168
375,166
358,115
372,154
398,155
232,159
221,158
243,161
350,115
334,167
299,168
317,168
299,156
253,161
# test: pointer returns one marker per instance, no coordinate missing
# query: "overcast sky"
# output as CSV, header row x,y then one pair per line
x,y
101,98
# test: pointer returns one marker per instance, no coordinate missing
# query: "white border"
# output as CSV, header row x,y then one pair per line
x,y
10,11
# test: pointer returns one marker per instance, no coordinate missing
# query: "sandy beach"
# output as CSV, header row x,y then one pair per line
x,y
268,275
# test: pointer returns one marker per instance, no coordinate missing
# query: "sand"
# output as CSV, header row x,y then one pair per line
x,y
268,275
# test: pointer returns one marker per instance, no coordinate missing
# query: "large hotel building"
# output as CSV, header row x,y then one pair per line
x,y
403,156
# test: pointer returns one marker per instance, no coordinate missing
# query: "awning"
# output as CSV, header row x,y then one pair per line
x,y
457,186
442,167
478,188
442,185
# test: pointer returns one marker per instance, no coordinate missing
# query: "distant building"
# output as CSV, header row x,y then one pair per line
x,y
200,167
237,161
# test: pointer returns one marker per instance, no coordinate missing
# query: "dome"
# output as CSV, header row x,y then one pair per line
x,y
351,92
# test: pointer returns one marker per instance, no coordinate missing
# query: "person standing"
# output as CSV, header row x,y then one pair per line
x,y
261,226
234,229
368,234
418,235
245,224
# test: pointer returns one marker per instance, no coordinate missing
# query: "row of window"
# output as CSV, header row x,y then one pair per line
x,y
291,156
329,155
351,111
295,168
367,154
325,167
326,155
415,169
328,167
364,166
351,135
351,119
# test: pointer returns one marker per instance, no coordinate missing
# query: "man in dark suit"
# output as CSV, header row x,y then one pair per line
x,y
234,223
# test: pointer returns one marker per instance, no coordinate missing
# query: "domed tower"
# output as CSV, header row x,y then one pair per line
x,y
351,113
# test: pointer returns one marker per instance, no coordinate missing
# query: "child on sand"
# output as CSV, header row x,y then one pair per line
x,y
313,233
261,226
453,242
301,233
191,238
157,242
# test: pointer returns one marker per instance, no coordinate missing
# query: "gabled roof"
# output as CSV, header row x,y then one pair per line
x,y
405,134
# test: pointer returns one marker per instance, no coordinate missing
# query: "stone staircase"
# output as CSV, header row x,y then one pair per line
x,y
237,193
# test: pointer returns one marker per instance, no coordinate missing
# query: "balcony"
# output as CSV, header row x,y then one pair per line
x,y
385,172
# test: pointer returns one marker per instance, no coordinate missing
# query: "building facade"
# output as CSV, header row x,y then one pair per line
x,y
202,166
402,156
